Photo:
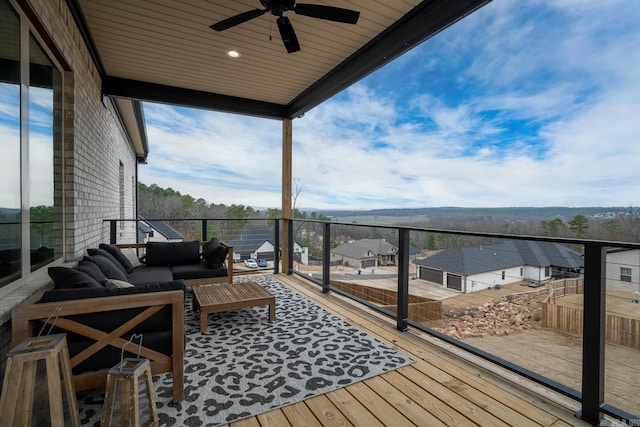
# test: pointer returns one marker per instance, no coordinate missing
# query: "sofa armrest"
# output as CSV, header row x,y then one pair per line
x,y
25,315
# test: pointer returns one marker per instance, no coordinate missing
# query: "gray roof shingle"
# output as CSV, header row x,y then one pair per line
x,y
501,255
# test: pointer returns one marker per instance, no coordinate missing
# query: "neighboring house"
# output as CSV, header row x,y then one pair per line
x,y
365,253
253,243
300,252
623,270
482,267
157,231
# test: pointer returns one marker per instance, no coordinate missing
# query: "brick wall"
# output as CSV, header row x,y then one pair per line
x,y
94,145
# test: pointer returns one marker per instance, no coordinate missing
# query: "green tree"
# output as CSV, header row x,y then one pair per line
x,y
579,225
553,227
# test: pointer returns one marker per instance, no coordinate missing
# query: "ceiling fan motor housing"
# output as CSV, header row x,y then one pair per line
x,y
278,7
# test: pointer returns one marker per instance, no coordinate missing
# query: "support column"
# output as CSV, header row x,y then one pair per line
x,y
287,211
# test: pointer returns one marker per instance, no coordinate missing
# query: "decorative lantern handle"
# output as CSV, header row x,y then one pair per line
x,y
134,336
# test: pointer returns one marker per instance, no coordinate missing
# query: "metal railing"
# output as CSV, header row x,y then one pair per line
x,y
591,393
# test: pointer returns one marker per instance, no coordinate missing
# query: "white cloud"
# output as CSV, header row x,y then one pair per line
x,y
520,104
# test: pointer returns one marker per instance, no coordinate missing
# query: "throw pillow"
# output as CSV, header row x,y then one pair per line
x,y
92,269
113,284
132,256
69,278
214,253
173,253
108,267
118,255
102,252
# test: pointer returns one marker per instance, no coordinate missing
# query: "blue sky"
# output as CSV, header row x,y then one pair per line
x,y
532,103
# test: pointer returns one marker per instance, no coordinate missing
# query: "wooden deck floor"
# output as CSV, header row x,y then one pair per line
x,y
439,389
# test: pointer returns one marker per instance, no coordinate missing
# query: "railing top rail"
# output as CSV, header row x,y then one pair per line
x,y
565,240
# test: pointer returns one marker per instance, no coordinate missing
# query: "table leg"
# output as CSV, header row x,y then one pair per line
x,y
272,311
203,321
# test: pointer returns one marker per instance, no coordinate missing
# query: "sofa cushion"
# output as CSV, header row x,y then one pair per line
x,y
150,274
92,269
196,271
132,256
108,267
118,255
214,253
102,252
113,283
79,293
173,253
65,278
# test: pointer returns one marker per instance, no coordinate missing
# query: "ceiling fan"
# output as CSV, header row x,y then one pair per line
x,y
279,7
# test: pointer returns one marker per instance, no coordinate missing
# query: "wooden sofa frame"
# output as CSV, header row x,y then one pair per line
x,y
197,282
24,316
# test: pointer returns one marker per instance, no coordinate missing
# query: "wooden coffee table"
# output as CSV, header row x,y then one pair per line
x,y
226,297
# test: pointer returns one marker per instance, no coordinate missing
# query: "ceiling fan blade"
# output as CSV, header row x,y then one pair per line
x,y
238,19
288,34
329,13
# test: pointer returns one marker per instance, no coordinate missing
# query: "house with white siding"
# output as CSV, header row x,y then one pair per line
x,y
475,268
623,270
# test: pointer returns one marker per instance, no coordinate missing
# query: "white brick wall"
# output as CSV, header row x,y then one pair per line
x,y
94,142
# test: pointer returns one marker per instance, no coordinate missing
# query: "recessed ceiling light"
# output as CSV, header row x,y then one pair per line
x,y
233,54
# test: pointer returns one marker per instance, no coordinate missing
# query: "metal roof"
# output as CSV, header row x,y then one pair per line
x,y
164,51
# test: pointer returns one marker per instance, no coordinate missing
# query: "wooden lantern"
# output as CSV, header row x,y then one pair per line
x,y
38,373
130,397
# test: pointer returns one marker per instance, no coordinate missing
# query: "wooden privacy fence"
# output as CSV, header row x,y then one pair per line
x,y
562,287
420,309
618,329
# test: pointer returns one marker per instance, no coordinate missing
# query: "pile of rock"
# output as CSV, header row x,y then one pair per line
x,y
504,316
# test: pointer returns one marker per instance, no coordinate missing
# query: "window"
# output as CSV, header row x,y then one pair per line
x,y
521,271
547,272
625,274
503,274
31,192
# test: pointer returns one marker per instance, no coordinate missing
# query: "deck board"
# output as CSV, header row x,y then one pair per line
x,y
438,389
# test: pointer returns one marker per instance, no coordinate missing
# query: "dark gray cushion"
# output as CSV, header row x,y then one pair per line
x,y
92,269
173,253
70,278
214,253
102,252
118,255
108,267
75,294
196,271
150,274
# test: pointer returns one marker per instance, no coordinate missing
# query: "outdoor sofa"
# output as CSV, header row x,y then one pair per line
x,y
107,300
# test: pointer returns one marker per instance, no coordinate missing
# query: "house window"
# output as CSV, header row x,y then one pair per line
x,y
521,271
547,272
625,274
503,274
31,134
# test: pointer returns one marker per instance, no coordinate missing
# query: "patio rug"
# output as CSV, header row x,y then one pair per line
x,y
245,365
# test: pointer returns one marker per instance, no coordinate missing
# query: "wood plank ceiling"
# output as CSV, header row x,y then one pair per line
x,y
164,50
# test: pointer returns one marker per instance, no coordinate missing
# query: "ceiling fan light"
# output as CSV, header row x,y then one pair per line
x,y
233,53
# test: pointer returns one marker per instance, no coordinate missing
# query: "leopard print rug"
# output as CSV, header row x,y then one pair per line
x,y
245,365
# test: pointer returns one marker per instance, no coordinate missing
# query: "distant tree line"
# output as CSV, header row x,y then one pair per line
x,y
167,203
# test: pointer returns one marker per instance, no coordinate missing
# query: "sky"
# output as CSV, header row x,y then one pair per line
x,y
532,103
